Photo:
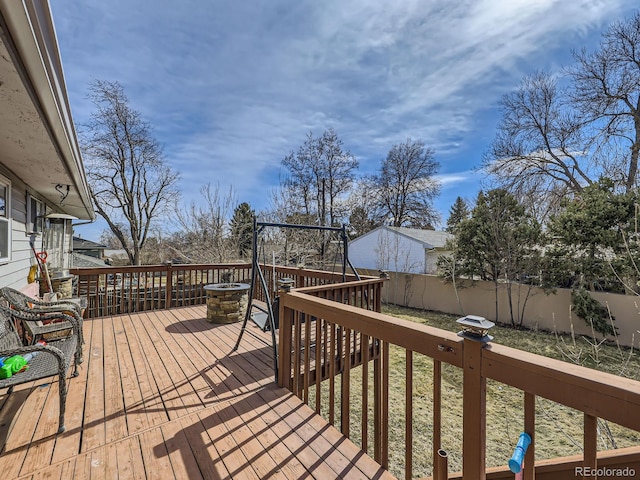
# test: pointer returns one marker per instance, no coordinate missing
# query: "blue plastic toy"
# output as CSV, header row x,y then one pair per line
x,y
515,464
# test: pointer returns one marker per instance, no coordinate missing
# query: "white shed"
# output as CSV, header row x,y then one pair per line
x,y
399,249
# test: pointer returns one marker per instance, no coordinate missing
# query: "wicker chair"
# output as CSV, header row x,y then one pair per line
x,y
54,358
19,300
36,312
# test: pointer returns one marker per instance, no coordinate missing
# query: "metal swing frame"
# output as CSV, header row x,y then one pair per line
x,y
257,275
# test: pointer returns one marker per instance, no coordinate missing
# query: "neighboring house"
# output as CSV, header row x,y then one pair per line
x,y
89,248
42,179
399,249
85,261
116,257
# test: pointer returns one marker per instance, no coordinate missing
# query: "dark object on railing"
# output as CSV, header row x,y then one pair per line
x,y
475,328
442,467
286,284
54,358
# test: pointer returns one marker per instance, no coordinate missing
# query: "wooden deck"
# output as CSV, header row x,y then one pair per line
x,y
161,396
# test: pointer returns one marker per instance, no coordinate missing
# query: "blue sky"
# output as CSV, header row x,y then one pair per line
x,y
231,87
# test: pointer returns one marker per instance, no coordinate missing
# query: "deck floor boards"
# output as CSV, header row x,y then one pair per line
x,y
162,395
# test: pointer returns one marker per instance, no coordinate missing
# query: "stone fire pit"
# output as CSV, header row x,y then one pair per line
x,y
226,302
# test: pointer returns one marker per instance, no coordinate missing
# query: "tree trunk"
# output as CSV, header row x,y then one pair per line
x,y
495,283
635,150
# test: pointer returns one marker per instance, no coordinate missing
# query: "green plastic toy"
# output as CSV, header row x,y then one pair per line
x,y
12,365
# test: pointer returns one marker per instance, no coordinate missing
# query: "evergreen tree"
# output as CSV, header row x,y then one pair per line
x,y
360,222
498,242
594,248
242,229
459,211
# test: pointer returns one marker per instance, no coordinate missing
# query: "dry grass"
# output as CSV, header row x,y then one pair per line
x,y
558,429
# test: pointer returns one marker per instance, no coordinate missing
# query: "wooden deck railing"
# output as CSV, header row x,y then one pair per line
x,y
126,289
301,277
318,334
115,290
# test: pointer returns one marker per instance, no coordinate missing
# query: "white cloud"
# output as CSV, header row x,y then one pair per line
x,y
232,87
453,180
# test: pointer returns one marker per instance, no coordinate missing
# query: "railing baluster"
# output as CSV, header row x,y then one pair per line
x,y
530,428
384,461
332,375
345,390
437,417
377,404
297,347
408,459
364,352
307,357
590,441
325,350
320,346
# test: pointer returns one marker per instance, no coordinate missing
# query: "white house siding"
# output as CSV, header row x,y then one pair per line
x,y
14,273
382,249
432,256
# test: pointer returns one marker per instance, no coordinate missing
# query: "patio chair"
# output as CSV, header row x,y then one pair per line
x,y
53,358
42,320
19,300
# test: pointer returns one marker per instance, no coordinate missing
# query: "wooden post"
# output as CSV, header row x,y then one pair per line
x,y
168,286
474,407
284,345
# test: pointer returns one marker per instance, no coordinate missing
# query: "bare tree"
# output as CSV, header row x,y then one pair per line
x,y
338,175
552,143
607,92
405,187
297,191
539,149
131,185
319,174
202,227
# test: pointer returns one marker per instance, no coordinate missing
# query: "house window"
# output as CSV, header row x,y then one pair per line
x,y
5,220
35,215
